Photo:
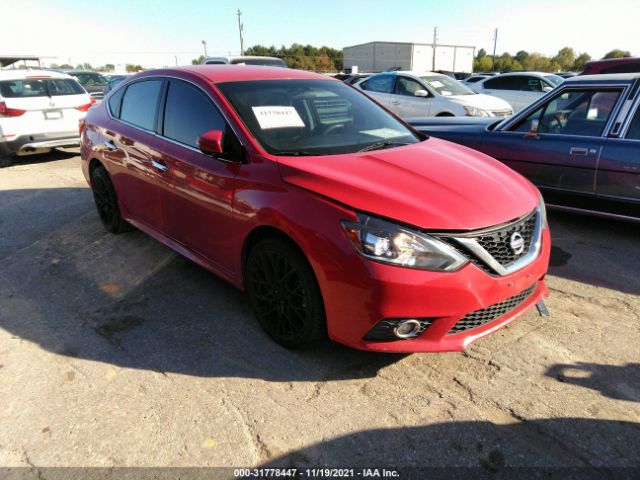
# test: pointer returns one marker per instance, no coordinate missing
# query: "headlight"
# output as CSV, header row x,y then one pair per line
x,y
543,213
476,112
387,242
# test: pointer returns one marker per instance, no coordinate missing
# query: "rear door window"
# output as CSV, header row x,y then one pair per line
x,y
501,83
634,129
380,84
40,87
140,103
189,113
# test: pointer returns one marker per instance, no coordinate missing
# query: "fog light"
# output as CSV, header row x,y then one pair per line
x,y
407,329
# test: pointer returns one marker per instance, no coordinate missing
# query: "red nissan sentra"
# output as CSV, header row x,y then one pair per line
x,y
335,216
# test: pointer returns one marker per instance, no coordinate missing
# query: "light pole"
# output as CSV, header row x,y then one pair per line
x,y
205,48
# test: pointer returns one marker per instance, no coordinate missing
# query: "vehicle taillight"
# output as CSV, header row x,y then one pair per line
x,y
81,125
10,112
86,106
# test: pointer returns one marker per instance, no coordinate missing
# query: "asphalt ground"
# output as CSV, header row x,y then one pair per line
x,y
115,351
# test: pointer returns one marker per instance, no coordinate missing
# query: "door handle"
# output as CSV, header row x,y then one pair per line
x,y
578,151
159,166
109,145
395,103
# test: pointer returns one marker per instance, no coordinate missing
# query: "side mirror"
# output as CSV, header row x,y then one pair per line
x,y
421,93
210,142
547,89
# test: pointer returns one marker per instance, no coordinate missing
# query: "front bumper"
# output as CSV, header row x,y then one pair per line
x,y
445,298
27,143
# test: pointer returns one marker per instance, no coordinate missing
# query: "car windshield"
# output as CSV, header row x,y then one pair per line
x,y
446,86
39,87
554,79
313,117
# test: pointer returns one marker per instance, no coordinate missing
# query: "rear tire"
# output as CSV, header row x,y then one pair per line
x,y
106,201
284,294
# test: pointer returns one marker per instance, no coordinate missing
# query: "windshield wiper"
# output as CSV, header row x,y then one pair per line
x,y
297,153
381,145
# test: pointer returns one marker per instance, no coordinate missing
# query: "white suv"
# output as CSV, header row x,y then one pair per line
x,y
428,94
39,110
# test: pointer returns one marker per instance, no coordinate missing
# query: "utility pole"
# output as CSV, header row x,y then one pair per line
x,y
495,42
205,48
240,29
435,41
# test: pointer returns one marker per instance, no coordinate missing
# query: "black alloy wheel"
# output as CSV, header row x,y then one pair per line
x,y
106,201
284,294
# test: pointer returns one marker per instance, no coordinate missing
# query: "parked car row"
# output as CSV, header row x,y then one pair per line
x,y
412,94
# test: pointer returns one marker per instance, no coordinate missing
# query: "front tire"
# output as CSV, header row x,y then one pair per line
x,y
106,201
284,294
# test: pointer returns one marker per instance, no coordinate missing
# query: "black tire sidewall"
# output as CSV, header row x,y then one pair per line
x,y
314,331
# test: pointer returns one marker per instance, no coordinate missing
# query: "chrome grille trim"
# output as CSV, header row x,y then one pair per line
x,y
468,241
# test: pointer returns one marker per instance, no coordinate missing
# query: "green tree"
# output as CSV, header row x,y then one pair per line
x,y
198,61
565,58
66,66
617,53
580,62
522,56
109,67
481,53
131,68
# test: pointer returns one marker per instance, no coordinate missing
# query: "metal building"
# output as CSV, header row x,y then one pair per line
x,y
381,56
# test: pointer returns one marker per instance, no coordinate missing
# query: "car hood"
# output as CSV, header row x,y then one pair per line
x,y
434,185
486,102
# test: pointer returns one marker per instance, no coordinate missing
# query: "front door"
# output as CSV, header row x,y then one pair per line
x,y
559,145
200,211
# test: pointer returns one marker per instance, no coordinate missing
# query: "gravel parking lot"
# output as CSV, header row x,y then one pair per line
x,y
115,351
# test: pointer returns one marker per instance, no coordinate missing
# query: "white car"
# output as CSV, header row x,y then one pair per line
x,y
245,60
412,94
520,89
39,110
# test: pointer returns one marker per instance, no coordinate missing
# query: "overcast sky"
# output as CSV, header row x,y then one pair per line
x,y
159,32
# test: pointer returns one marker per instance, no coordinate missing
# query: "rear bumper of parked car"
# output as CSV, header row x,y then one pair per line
x,y
35,142
440,300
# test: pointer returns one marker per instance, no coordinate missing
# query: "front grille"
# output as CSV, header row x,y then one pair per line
x,y
497,242
486,315
383,330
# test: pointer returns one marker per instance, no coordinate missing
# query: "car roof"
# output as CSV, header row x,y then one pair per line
x,y
519,74
603,77
234,73
18,74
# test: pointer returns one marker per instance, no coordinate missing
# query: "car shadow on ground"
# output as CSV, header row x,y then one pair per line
x,y
127,300
613,381
481,448
598,251
36,158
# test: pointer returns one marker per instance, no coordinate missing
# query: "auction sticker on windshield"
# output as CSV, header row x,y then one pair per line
x,y
277,117
383,133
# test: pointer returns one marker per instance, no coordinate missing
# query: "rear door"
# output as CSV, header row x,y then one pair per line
x,y
619,169
564,153
200,208
405,104
130,145
380,88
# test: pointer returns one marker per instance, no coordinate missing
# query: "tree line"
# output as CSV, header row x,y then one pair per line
x,y
566,60
302,57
